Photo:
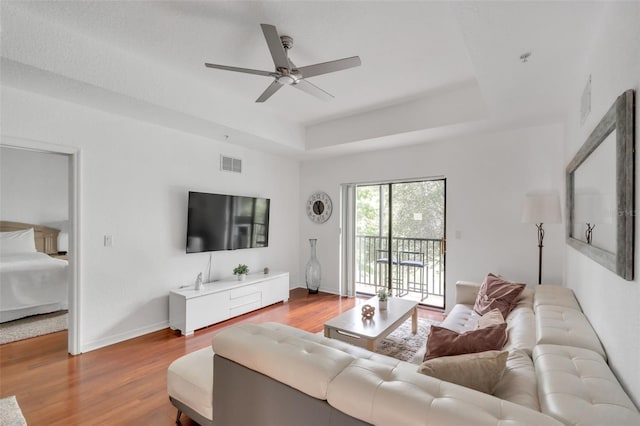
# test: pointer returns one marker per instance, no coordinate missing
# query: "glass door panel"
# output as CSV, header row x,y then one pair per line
x,y
400,230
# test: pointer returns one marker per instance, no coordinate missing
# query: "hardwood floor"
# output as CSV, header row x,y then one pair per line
x,y
126,383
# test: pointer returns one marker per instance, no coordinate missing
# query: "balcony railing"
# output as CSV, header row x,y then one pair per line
x,y
417,264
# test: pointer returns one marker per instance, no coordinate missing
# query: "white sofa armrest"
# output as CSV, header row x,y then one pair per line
x,y
466,292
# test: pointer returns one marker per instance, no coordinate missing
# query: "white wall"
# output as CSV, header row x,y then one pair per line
x,y
135,177
610,302
487,177
33,186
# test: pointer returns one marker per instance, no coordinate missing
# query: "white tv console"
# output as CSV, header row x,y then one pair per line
x,y
218,301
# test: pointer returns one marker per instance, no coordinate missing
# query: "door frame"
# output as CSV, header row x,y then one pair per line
x,y
75,240
347,229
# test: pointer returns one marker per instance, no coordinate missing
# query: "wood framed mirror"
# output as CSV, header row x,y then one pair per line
x,y
600,189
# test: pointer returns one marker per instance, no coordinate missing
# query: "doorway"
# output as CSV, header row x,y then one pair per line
x,y
72,156
399,239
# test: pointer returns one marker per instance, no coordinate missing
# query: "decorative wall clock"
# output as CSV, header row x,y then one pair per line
x,y
319,207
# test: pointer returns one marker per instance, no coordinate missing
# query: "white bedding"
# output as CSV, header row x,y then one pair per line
x,y
32,283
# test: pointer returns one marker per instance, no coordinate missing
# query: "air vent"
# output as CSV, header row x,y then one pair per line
x,y
229,164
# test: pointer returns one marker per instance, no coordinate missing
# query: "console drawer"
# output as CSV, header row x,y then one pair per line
x,y
238,293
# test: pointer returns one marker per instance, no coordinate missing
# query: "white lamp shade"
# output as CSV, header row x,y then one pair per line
x,y
63,242
541,207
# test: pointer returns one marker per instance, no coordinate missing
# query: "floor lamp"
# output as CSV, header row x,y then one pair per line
x,y
540,208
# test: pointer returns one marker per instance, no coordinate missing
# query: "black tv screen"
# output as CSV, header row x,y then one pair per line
x,y
226,222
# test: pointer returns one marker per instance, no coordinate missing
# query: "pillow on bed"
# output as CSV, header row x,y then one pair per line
x,y
17,242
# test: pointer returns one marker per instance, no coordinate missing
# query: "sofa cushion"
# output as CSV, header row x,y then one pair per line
x,y
444,342
466,292
521,329
190,381
518,383
496,292
525,299
577,387
480,371
558,325
521,332
461,318
556,296
383,395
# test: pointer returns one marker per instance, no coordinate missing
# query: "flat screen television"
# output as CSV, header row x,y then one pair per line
x,y
226,222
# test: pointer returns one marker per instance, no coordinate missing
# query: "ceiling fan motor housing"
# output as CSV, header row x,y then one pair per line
x,y
287,42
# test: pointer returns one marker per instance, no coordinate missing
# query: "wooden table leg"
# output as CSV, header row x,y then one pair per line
x,y
414,320
371,345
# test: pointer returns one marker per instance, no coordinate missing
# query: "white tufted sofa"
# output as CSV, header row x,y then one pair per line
x,y
341,378
556,374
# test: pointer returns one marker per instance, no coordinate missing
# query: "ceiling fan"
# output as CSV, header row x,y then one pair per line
x,y
286,73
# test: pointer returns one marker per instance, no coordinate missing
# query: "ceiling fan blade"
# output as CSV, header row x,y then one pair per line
x,y
244,70
313,90
275,46
273,88
331,66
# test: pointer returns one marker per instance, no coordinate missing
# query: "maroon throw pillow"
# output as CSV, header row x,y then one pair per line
x,y
496,292
445,342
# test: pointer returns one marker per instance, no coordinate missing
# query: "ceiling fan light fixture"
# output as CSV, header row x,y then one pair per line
x,y
287,80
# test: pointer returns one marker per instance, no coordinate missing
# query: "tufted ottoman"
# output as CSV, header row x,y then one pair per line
x,y
190,385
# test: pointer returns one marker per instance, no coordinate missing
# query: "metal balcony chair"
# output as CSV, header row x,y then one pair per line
x,y
383,264
412,262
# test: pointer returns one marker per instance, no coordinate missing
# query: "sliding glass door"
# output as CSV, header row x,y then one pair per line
x,y
399,239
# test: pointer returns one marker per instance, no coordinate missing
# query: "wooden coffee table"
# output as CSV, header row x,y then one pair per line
x,y
350,327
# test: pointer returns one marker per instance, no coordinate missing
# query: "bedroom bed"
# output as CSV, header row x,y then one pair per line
x,y
31,281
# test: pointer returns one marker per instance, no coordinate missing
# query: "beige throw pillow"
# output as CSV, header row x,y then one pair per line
x,y
493,317
480,371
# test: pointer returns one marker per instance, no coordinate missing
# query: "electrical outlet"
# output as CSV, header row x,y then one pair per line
x,y
108,240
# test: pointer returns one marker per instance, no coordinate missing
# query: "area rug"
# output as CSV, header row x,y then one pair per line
x,y
402,344
33,326
10,413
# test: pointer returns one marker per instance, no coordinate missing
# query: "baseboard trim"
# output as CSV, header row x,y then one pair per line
x,y
323,290
130,334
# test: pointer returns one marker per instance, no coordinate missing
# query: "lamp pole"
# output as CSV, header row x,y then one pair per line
x,y
540,238
539,207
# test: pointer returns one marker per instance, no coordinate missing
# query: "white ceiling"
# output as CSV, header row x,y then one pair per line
x,y
145,59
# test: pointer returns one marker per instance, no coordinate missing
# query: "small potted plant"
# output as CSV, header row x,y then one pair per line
x,y
241,271
383,298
